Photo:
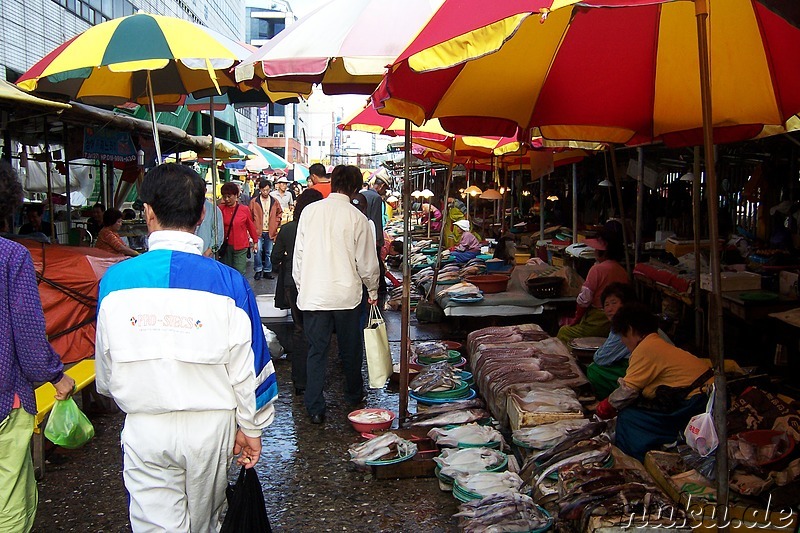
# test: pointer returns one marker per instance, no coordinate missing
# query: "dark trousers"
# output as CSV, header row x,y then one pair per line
x,y
319,326
299,351
382,276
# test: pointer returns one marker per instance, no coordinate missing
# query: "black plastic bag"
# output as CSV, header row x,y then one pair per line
x,y
247,512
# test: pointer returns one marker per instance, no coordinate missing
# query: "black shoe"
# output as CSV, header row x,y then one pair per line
x,y
269,275
358,403
257,275
318,419
299,391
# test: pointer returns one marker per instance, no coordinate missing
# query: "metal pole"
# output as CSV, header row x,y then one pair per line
x,y
696,199
716,347
574,203
639,204
618,186
541,214
214,178
438,263
49,184
153,117
68,189
405,319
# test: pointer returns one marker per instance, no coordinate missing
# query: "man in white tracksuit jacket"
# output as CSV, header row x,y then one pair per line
x,y
181,350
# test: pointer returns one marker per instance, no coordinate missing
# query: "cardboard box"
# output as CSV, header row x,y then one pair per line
x,y
787,284
733,281
704,514
519,418
682,247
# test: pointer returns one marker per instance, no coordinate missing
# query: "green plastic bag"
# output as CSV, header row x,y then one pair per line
x,y
67,426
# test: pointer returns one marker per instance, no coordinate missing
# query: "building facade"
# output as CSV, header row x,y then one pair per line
x,y
32,28
281,128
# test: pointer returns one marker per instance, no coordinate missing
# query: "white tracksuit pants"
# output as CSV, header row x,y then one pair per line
x,y
175,469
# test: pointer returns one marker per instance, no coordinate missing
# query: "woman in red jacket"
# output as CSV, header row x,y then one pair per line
x,y
239,229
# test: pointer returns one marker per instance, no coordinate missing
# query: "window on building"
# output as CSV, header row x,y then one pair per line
x,y
263,28
276,130
277,110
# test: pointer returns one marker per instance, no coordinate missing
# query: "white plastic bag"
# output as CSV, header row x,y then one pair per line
x,y
274,345
700,433
376,345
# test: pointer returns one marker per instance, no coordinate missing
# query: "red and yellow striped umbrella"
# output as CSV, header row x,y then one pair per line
x,y
620,71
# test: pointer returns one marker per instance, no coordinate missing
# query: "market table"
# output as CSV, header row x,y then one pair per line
x,y
515,301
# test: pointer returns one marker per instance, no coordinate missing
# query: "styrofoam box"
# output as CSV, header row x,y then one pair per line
x,y
733,281
267,309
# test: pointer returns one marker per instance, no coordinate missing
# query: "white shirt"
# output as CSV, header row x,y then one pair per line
x,y
334,254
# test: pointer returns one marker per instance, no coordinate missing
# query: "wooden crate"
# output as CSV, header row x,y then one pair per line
x,y
703,515
421,465
519,418
733,281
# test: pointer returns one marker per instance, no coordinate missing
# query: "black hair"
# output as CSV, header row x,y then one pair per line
x,y
308,196
623,291
317,169
634,316
229,188
128,214
110,216
176,194
346,179
263,182
614,247
101,206
37,208
10,192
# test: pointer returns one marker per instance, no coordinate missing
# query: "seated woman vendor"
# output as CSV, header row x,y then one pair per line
x,y
611,359
662,389
468,245
589,319
435,218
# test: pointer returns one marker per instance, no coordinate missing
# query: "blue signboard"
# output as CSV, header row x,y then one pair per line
x,y
108,145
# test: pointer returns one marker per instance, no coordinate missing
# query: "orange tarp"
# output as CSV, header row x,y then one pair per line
x,y
68,280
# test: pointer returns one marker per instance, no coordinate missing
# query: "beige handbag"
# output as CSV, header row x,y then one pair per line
x,y
376,345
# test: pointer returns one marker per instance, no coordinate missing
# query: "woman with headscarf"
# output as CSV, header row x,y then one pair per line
x,y
456,210
468,246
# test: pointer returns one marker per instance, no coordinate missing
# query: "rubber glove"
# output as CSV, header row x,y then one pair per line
x,y
605,410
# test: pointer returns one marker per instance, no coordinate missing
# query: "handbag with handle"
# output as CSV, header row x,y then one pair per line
x,y
376,345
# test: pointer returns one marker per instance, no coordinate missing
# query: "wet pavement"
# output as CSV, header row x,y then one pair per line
x,y
308,482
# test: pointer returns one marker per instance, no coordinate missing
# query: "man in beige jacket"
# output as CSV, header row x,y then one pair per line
x,y
267,213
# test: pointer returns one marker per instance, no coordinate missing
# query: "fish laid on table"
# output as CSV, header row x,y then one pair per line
x,y
385,446
463,416
439,376
454,461
548,435
561,400
572,438
507,511
466,434
486,483
584,454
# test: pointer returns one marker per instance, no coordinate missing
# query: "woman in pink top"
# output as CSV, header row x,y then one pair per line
x,y
589,319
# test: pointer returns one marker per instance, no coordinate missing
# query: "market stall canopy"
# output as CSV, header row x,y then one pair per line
x,y
343,45
273,160
639,84
13,95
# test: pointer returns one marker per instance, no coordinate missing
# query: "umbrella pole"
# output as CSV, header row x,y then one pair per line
x,y
698,306
639,204
153,117
438,263
574,203
618,186
541,214
214,178
716,347
49,184
405,304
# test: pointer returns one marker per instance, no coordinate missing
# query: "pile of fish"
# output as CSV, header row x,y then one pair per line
x,y
621,496
382,448
431,350
487,483
419,246
507,511
462,289
522,358
548,435
454,461
473,267
469,434
395,299
436,377
561,400
536,468
461,412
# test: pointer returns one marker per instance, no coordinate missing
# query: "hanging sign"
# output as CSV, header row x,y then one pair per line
x,y
108,145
